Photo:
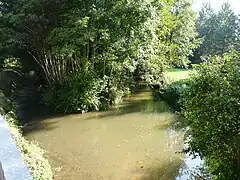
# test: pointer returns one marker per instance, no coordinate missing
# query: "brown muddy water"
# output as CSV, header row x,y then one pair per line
x,y
132,141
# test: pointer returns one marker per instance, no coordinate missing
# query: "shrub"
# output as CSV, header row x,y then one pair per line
x,y
79,93
212,110
85,91
172,93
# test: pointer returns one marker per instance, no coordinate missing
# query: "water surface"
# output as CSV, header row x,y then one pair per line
x,y
131,141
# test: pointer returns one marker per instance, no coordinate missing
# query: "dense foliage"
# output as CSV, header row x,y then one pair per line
x,y
88,54
172,93
211,108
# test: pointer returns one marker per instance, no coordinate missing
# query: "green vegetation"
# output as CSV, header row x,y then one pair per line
x,y
88,54
211,107
33,155
172,93
209,98
209,101
84,55
218,32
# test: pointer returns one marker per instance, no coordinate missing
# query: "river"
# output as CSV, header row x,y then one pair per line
x,y
132,141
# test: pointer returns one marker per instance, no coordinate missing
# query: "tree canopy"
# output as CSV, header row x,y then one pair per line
x,y
102,43
218,31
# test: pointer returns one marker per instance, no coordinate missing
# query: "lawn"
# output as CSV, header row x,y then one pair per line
x,y
176,74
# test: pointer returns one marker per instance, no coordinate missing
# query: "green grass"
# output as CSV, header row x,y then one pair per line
x,y
176,74
32,154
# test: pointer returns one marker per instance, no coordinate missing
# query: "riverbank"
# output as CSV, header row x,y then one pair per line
x,y
32,154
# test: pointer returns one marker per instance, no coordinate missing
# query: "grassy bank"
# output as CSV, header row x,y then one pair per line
x,y
32,154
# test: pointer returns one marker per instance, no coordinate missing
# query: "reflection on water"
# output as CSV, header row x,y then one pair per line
x,y
131,141
189,168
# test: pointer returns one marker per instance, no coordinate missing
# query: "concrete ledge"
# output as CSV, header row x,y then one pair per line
x,y
10,157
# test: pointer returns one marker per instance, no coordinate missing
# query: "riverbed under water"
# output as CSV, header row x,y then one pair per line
x,y
132,141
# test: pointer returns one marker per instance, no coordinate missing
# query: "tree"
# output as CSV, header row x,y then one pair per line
x,y
183,35
218,30
106,40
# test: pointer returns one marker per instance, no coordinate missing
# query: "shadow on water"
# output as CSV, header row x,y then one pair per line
x,y
113,142
39,126
133,106
130,106
34,120
164,171
139,102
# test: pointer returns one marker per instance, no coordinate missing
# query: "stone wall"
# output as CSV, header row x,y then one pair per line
x,y
10,157
2,177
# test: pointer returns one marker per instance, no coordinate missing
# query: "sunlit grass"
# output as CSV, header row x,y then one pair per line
x,y
176,74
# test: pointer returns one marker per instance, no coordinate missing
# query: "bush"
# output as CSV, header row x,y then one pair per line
x,y
172,93
212,110
85,91
79,93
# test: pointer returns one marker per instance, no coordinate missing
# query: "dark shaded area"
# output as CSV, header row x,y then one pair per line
x,y
172,94
135,106
140,101
8,80
39,126
27,98
168,171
